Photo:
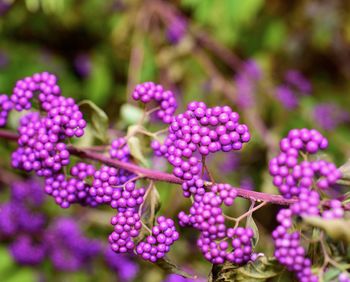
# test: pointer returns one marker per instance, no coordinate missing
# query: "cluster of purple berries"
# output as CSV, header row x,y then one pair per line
x,y
196,133
41,146
296,179
120,149
158,243
192,136
127,225
288,175
288,249
149,91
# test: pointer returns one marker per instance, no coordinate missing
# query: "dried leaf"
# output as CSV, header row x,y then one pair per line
x,y
149,210
169,267
262,269
134,145
345,170
251,223
97,117
337,229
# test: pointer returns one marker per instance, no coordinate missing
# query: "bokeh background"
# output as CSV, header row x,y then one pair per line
x,y
280,64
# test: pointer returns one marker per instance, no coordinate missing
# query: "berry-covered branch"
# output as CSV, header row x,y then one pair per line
x,y
306,184
153,174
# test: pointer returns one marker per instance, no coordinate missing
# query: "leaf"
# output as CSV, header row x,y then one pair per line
x,y
98,118
345,170
149,209
337,229
262,269
131,114
331,274
99,85
169,267
135,150
251,223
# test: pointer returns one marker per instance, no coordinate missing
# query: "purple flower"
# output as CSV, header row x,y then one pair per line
x,y
25,251
176,30
4,59
4,7
329,116
247,183
123,264
83,65
246,83
297,80
287,97
69,249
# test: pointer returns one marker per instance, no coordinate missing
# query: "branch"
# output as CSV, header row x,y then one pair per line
x,y
156,175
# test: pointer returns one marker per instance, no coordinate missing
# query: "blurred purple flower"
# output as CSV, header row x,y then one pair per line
x,y
4,59
329,116
247,183
297,80
69,249
287,97
125,267
230,162
27,252
246,83
176,30
83,65
4,7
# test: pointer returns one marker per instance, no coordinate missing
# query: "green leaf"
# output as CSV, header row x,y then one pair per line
x,y
149,209
131,114
6,260
99,84
150,206
337,229
169,267
251,223
97,117
134,145
262,269
331,274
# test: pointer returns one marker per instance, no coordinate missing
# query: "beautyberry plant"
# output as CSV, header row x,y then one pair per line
x,y
111,177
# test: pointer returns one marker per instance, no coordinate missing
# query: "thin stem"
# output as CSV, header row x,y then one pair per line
x,y
327,258
152,111
157,175
249,212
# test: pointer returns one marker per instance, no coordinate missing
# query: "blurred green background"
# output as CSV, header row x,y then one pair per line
x,y
198,48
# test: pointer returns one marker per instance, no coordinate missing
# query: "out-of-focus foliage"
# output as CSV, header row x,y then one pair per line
x,y
101,49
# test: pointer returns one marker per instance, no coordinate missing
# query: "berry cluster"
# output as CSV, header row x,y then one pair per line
x,y
82,170
148,91
288,175
298,180
199,131
288,249
41,145
158,243
127,225
67,191
120,149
